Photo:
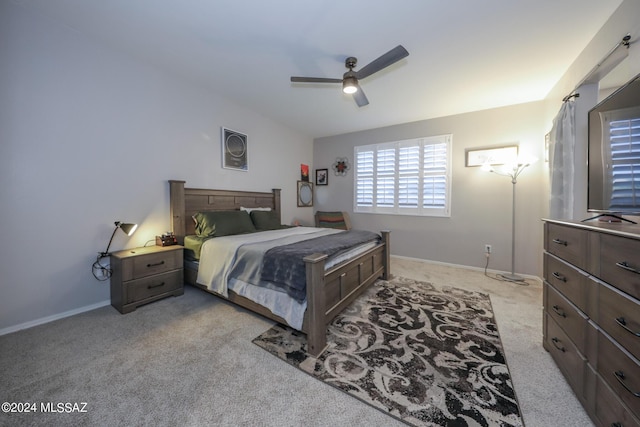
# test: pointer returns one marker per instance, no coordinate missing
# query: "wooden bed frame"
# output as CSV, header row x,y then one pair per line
x,y
328,292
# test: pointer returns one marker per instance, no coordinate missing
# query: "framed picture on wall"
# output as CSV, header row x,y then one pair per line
x,y
305,194
304,172
322,176
491,155
234,150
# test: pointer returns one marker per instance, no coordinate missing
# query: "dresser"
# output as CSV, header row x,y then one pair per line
x,y
144,275
591,321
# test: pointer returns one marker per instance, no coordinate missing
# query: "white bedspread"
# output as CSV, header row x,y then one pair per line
x,y
221,256
234,262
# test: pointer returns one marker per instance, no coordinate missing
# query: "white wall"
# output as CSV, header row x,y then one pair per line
x,y
481,201
90,136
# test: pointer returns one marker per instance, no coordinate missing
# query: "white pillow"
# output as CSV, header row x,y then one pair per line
x,y
242,208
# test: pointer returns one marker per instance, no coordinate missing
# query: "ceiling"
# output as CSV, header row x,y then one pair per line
x,y
465,55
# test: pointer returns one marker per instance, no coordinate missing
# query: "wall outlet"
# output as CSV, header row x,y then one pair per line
x,y
487,249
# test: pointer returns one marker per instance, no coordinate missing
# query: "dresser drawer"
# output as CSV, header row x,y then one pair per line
x,y
567,243
609,410
621,372
619,316
572,321
620,263
569,281
566,355
151,286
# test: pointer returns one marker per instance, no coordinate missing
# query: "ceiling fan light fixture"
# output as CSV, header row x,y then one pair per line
x,y
350,79
350,85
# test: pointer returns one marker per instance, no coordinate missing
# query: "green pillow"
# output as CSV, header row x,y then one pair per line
x,y
265,220
223,223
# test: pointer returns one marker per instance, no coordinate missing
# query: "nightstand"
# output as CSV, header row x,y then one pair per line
x,y
144,275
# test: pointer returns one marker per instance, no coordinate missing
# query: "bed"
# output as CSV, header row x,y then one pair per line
x,y
329,288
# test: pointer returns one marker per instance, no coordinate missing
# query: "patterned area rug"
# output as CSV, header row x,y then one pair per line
x,y
426,356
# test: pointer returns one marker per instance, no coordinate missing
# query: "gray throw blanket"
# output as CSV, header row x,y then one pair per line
x,y
284,265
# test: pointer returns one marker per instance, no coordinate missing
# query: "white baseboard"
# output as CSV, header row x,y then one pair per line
x,y
466,267
48,319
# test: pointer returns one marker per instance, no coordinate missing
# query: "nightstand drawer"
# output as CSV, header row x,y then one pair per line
x,y
149,264
148,287
567,243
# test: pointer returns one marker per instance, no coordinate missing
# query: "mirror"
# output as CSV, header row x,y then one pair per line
x,y
305,194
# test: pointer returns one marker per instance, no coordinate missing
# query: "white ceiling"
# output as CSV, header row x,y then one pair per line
x,y
465,55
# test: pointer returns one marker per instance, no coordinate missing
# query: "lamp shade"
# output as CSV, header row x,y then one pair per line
x,y
129,229
350,85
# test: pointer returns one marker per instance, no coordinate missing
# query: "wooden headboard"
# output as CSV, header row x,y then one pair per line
x,y
186,202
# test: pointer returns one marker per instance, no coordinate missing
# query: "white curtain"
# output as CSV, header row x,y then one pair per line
x,y
561,162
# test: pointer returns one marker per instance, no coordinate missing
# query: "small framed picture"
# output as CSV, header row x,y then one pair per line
x,y
305,194
322,176
234,150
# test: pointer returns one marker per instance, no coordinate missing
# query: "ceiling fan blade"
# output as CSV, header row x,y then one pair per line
x,y
314,80
391,57
360,97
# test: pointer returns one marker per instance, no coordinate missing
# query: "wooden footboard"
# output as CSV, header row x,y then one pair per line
x,y
328,292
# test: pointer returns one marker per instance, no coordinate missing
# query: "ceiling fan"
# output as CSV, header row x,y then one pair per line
x,y
350,78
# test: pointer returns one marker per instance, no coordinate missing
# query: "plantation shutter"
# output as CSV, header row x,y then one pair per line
x,y
625,154
364,178
410,177
435,175
385,177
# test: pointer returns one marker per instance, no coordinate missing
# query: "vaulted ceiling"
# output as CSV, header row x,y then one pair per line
x,y
464,55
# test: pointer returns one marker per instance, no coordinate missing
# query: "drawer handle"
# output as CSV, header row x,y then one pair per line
x,y
616,424
156,264
626,266
155,286
560,242
560,277
620,377
560,312
620,321
555,342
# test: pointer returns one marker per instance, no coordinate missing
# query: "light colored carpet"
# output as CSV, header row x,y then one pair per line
x,y
190,361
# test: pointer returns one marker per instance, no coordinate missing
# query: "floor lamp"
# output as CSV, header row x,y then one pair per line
x,y
512,173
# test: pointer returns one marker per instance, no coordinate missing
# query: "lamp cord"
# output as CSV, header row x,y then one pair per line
x,y
486,266
105,270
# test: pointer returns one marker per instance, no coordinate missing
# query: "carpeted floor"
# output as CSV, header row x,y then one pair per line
x,y
427,356
189,361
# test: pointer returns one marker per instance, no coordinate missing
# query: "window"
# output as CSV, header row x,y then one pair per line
x,y
410,177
